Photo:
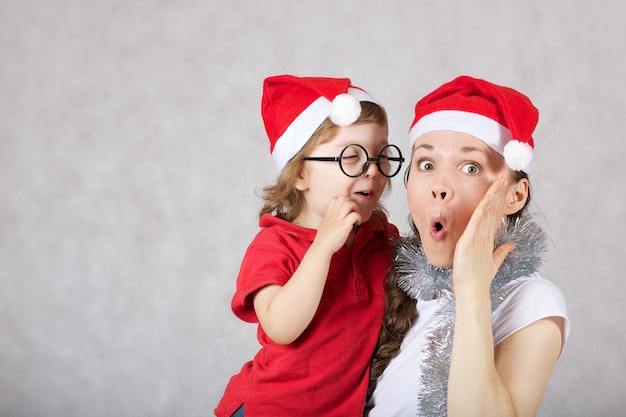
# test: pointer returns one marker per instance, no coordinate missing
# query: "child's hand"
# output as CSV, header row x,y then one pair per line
x,y
475,261
285,311
342,214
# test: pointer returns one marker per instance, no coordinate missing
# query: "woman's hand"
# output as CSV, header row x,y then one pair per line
x,y
475,261
475,265
508,380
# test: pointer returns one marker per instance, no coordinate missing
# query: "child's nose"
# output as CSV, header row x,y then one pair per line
x,y
372,169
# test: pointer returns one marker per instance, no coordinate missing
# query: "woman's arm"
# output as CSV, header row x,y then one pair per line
x,y
510,379
506,381
474,385
525,361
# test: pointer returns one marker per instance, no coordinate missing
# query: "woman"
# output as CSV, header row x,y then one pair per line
x,y
468,330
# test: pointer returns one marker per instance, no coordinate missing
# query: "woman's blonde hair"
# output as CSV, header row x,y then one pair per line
x,y
283,199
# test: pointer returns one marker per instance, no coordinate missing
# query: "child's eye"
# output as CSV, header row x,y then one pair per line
x,y
425,165
471,169
350,159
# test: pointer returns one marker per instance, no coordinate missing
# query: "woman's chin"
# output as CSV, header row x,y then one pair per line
x,y
439,260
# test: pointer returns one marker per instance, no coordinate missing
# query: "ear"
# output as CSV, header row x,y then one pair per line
x,y
301,182
516,196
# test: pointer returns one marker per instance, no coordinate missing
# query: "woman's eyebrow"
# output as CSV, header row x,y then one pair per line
x,y
468,149
425,146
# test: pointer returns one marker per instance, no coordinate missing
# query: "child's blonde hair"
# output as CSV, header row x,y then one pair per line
x,y
283,199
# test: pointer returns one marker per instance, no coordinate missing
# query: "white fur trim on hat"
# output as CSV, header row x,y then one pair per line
x,y
477,125
518,155
362,95
299,131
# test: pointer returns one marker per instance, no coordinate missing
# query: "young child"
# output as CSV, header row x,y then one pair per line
x,y
313,276
470,328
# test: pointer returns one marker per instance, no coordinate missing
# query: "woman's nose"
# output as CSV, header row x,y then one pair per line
x,y
439,194
441,191
442,185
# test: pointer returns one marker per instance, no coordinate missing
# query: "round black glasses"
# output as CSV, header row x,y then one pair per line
x,y
354,160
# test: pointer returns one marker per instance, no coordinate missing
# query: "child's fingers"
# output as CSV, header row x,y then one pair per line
x,y
345,209
341,215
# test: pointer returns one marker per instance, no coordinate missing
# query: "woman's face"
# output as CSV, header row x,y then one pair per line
x,y
450,173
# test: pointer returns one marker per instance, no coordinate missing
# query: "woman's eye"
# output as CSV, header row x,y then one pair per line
x,y
425,165
471,169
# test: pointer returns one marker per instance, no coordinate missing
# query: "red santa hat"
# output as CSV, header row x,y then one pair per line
x,y
500,116
294,107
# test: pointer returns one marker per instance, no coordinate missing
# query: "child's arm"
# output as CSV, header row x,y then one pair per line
x,y
483,381
284,312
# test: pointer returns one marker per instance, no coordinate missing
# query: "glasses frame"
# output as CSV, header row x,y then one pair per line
x,y
366,164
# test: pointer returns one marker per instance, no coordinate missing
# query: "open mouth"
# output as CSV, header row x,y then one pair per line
x,y
366,194
438,229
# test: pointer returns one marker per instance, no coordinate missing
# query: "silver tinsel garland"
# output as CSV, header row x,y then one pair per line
x,y
420,280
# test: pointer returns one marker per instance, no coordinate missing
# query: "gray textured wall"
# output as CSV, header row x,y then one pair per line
x,y
132,150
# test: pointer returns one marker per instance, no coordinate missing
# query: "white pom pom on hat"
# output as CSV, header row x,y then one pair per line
x,y
344,110
294,107
500,116
518,155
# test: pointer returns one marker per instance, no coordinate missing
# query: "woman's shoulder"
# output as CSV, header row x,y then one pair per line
x,y
533,289
529,299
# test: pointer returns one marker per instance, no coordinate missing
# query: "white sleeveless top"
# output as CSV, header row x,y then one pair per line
x,y
532,298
